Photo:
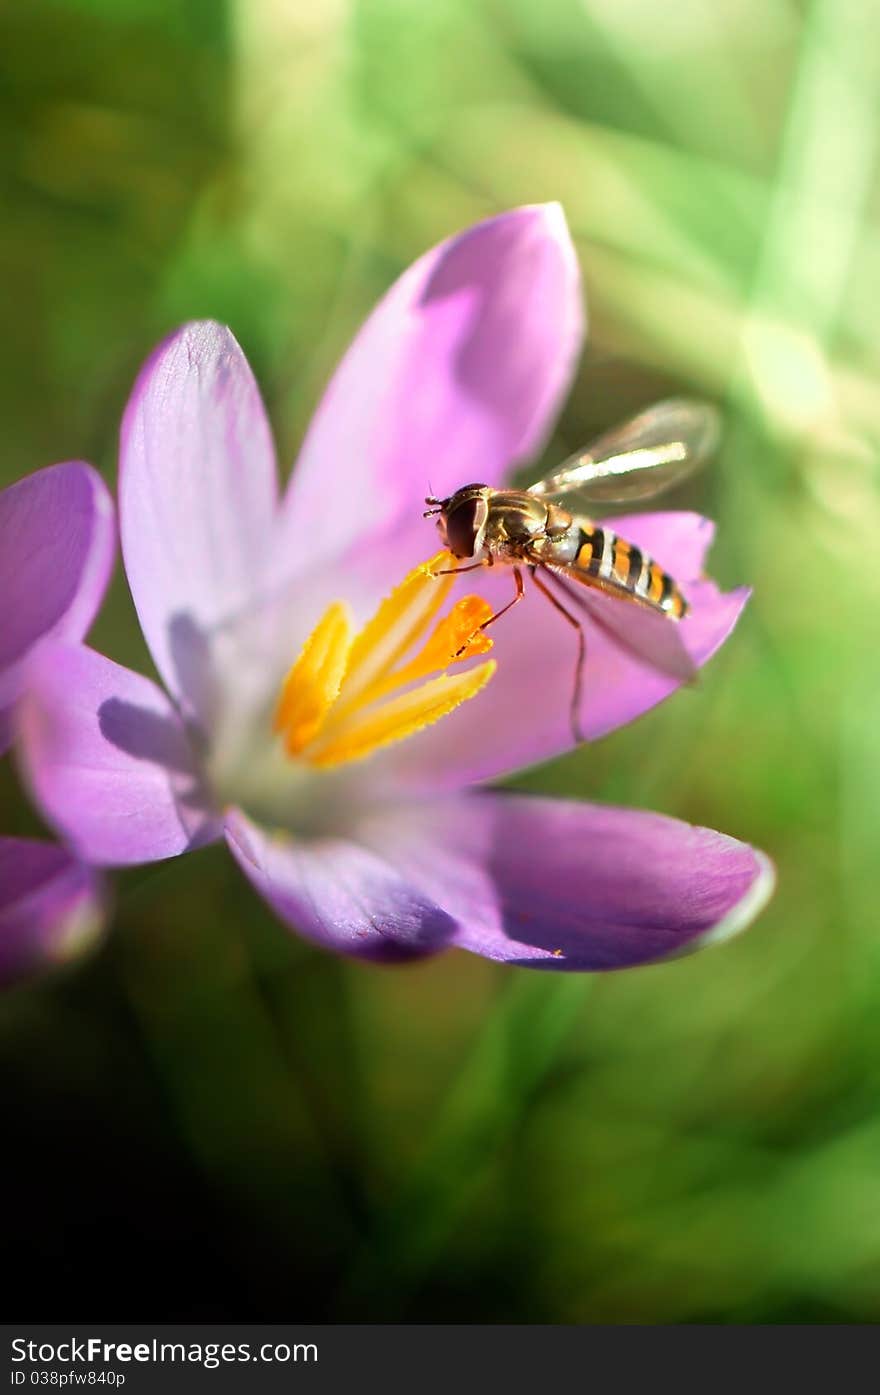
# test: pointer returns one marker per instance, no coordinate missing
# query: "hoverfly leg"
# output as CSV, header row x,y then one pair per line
x,y
457,571
520,592
577,690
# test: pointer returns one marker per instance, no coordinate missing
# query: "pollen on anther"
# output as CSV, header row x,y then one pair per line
x,y
349,694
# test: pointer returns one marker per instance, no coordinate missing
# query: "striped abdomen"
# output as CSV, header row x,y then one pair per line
x,y
620,566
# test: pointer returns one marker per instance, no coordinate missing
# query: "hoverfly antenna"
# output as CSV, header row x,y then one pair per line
x,y
436,506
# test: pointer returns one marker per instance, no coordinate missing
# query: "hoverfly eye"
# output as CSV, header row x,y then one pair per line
x,y
464,525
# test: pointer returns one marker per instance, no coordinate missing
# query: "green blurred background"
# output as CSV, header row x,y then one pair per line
x,y
210,1119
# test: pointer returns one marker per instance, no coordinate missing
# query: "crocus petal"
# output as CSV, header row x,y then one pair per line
x,y
457,375
523,717
51,907
338,894
57,540
197,500
561,885
108,760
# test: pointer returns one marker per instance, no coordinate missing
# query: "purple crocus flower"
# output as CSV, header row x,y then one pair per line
x,y
57,540
334,738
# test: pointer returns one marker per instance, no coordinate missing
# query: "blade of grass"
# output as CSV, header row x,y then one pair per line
x,y
506,1068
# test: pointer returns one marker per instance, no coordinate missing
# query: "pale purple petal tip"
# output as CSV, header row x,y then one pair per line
x,y
108,761
560,885
52,908
197,503
57,544
457,375
338,894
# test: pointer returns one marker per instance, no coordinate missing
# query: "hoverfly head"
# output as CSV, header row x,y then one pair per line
x,y
462,519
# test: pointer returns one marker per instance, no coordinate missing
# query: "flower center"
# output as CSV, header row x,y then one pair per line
x,y
351,693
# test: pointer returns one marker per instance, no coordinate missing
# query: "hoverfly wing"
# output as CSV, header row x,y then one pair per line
x,y
639,459
648,635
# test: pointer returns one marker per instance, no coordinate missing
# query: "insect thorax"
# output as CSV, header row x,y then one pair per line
x,y
516,522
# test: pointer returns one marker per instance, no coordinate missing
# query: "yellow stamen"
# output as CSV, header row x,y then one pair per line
x,y
344,697
401,619
312,685
401,717
455,638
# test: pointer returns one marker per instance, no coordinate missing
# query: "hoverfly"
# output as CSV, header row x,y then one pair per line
x,y
627,594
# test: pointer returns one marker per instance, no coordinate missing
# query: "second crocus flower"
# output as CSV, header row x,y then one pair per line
x,y
57,542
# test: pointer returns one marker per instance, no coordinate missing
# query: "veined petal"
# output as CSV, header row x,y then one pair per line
x,y
108,760
525,718
458,374
57,543
553,884
52,907
337,894
197,498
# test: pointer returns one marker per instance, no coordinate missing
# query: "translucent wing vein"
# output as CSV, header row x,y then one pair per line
x,y
640,459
